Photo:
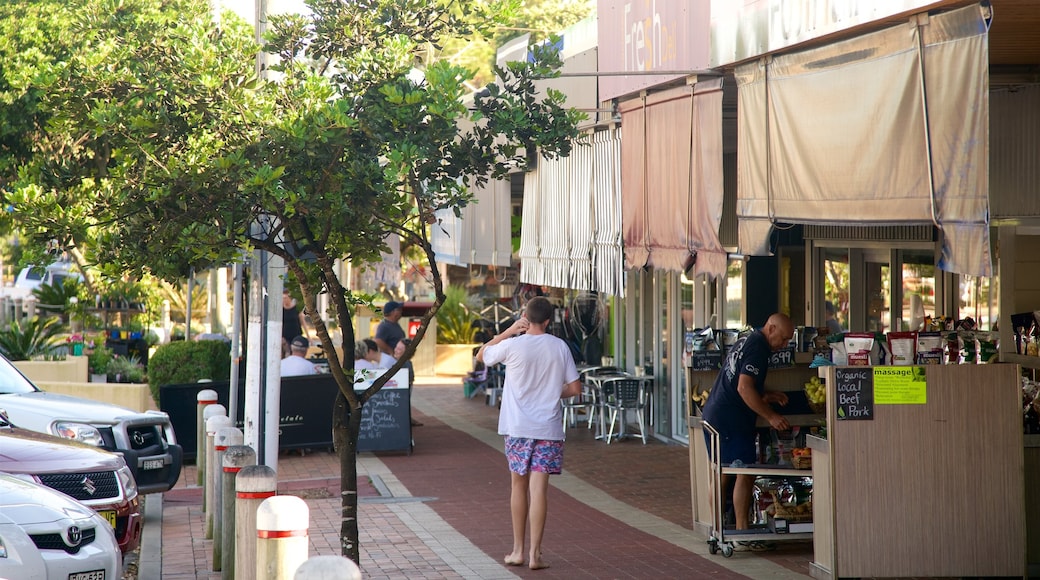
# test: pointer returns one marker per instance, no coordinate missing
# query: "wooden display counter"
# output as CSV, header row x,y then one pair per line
x,y
923,475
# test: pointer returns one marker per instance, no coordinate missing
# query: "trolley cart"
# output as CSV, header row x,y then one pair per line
x,y
719,538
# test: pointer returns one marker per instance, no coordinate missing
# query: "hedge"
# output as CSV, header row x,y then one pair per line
x,y
188,362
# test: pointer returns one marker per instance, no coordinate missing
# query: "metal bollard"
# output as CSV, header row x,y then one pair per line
x,y
205,398
213,424
235,458
328,568
253,485
281,537
226,437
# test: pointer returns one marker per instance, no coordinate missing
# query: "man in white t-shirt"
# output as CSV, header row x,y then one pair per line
x,y
296,363
539,372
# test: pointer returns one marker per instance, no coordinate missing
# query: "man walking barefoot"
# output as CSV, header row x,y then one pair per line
x,y
539,372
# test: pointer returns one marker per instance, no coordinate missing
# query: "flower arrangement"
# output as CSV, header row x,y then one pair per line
x,y
75,344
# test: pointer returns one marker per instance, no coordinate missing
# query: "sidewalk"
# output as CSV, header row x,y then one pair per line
x,y
618,511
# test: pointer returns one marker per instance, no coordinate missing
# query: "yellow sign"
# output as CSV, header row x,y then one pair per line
x,y
900,386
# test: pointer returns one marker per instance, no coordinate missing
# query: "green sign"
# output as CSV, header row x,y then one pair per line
x,y
900,385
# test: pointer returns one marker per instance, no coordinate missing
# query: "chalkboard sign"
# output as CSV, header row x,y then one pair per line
x,y
782,359
386,423
305,410
706,360
854,393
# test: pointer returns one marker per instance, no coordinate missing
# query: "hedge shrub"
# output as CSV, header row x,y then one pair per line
x,y
188,362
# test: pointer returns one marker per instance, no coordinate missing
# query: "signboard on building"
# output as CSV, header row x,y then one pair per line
x,y
743,29
643,36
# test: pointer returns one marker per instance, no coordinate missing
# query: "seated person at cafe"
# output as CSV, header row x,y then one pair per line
x,y
362,358
296,363
378,357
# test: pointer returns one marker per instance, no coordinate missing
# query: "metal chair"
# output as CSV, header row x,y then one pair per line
x,y
585,402
621,395
590,378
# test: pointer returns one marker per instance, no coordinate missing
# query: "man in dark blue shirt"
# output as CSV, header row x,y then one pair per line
x,y
738,398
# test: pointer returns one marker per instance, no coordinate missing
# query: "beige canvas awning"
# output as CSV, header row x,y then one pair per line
x,y
882,129
671,170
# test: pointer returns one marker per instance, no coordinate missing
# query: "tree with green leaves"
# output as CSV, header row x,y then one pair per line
x,y
162,151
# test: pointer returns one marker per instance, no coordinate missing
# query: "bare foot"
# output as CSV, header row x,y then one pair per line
x,y
537,563
513,560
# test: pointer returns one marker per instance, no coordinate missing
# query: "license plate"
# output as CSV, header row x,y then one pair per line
x,y
93,575
152,464
109,515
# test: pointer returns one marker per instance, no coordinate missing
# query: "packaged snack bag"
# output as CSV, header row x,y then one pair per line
x,y
903,347
929,348
858,346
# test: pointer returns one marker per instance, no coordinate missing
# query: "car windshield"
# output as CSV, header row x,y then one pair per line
x,y
12,381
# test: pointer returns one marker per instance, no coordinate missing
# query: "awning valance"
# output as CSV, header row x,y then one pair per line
x,y
481,234
672,188
882,129
571,232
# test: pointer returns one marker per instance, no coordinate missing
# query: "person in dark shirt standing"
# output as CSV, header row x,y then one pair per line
x,y
738,398
293,321
389,332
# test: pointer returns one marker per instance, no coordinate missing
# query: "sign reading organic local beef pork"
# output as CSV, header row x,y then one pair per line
x,y
854,393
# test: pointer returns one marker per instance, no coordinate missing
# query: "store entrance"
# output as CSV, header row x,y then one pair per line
x,y
854,288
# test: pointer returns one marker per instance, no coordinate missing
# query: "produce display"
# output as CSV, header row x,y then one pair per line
x,y
816,391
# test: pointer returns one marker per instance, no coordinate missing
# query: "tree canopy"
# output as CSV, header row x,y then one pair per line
x,y
145,135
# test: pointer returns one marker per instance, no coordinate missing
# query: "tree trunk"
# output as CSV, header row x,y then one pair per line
x,y
346,426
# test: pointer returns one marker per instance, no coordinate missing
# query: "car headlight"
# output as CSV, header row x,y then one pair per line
x,y
81,432
126,478
3,549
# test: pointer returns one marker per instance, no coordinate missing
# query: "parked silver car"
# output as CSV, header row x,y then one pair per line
x,y
46,535
145,440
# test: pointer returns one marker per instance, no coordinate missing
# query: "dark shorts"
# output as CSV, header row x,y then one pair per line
x,y
734,446
534,455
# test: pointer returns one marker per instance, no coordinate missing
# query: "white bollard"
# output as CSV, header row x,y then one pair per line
x,y
213,424
281,537
235,458
205,398
253,485
328,568
226,437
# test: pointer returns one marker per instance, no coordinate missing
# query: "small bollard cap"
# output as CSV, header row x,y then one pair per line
x,y
207,397
216,423
213,410
328,568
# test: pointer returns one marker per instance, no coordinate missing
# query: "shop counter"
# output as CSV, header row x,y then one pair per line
x,y
921,474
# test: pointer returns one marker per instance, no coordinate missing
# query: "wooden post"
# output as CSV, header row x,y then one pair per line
x,y
235,458
226,437
281,537
253,485
205,398
214,423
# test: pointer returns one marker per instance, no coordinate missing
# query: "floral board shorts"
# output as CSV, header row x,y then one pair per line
x,y
534,455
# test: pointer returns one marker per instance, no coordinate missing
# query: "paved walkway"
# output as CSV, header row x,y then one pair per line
x,y
618,511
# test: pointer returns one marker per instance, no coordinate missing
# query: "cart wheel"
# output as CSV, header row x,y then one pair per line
x,y
713,547
727,550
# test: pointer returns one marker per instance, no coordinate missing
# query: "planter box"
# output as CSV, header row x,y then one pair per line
x,y
71,370
454,359
133,396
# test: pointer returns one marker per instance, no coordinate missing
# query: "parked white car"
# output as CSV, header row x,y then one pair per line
x,y
31,278
46,535
145,440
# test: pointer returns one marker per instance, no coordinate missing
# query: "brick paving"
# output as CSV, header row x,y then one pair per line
x,y
618,511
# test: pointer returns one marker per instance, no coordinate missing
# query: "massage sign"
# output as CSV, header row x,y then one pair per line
x,y
858,389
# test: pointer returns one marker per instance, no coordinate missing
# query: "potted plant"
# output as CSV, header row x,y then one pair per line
x,y
97,361
125,369
455,333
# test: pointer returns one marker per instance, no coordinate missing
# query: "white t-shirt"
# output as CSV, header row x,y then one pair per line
x,y
363,364
297,365
386,361
537,368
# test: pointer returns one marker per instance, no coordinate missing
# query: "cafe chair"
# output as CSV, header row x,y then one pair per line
x,y
584,402
621,395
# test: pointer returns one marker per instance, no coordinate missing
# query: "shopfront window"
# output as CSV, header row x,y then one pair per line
x,y
919,286
836,287
978,299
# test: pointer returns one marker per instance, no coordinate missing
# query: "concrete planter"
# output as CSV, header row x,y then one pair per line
x,y
134,396
454,359
98,378
71,370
